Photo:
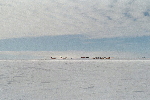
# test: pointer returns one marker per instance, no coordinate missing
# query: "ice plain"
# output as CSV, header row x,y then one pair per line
x,y
74,79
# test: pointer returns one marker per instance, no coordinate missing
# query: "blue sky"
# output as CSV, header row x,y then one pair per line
x,y
76,25
76,42
136,45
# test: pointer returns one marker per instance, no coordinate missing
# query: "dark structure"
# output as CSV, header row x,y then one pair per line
x,y
85,57
53,58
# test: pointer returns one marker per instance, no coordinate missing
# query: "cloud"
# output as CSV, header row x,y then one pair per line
x,y
95,19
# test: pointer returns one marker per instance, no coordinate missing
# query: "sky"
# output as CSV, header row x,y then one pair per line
x,y
115,27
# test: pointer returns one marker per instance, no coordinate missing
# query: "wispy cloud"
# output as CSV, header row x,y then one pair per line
x,y
96,19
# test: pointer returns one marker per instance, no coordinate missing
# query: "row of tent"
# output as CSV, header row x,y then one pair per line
x,y
98,57
101,58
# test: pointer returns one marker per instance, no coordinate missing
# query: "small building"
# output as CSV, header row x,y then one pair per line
x,y
53,58
85,57
63,57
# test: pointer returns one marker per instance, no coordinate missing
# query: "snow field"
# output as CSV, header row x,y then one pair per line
x,y
74,80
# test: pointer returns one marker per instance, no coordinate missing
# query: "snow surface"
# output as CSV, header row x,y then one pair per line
x,y
74,79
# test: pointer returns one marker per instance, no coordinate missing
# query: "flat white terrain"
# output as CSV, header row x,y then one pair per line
x,y
74,79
